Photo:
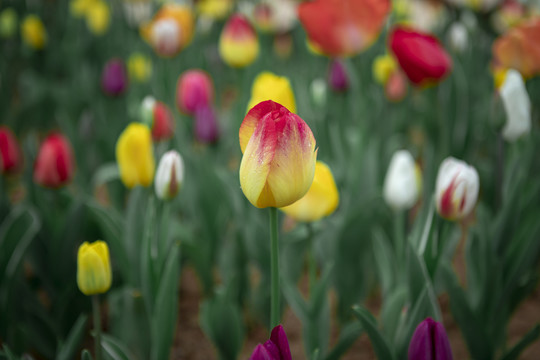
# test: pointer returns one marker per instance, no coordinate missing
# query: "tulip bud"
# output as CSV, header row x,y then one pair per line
x,y
158,117
33,32
337,77
214,9
430,342
8,23
458,36
139,67
321,199
238,43
169,175
94,268
277,348
194,89
137,12
135,156
10,152
98,17
206,126
402,184
114,77
268,86
55,163
456,189
517,105
279,158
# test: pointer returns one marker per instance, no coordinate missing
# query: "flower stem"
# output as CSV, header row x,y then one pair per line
x,y
274,258
97,326
400,238
312,263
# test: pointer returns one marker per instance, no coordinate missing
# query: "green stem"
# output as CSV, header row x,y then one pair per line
x,y
312,263
274,258
97,326
399,238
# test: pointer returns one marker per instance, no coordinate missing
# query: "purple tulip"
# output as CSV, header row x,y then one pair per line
x,y
114,77
338,78
430,342
206,126
277,348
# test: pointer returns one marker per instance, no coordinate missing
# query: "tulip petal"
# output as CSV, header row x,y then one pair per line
x,y
252,119
257,161
279,338
441,345
91,273
261,353
421,347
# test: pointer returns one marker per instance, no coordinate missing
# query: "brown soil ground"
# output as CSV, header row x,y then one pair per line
x,y
192,344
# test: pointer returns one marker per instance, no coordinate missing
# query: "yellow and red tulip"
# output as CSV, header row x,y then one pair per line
x,y
238,43
321,199
279,158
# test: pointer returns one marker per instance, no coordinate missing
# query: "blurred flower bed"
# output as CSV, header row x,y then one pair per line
x,y
368,167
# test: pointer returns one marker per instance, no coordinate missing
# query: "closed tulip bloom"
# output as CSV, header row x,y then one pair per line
x,y
206,125
158,117
238,43
8,23
430,342
114,77
169,175
98,17
321,199
402,184
54,165
10,152
170,31
33,32
194,89
456,189
279,158
135,156
139,67
420,55
517,105
94,268
337,76
214,9
268,86
458,36
277,348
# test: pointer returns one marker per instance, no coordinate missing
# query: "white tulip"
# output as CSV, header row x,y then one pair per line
x,y
456,189
517,106
458,36
169,175
402,183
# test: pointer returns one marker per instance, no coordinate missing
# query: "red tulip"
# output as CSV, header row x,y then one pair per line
x,y
343,27
194,89
55,163
10,152
420,55
163,124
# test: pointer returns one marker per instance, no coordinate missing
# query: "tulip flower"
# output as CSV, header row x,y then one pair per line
x,y
158,117
321,199
277,348
268,86
517,106
387,73
135,156
170,31
238,43
214,9
10,152
139,67
206,126
169,175
94,274
194,89
430,342
420,55
337,77
279,158
54,165
402,184
277,16
8,23
114,77
458,36
519,48
137,12
343,27
33,32
98,17
456,189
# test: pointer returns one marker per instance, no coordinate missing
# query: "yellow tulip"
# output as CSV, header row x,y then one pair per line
x,y
33,32
238,43
321,199
279,158
214,9
98,17
94,268
383,67
139,67
135,156
268,86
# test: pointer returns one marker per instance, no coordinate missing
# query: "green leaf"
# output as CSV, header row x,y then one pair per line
x,y
525,341
104,174
166,308
149,243
74,337
384,260
370,326
347,337
85,355
299,306
114,349
392,310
